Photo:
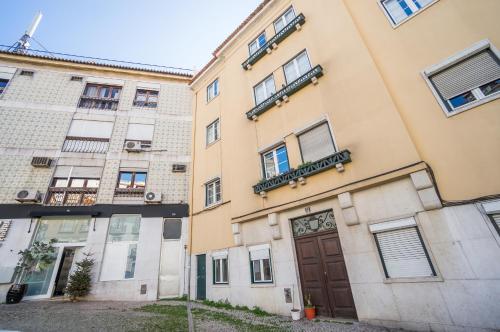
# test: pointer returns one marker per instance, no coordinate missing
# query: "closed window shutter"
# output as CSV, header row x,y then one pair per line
x,y
496,221
464,76
403,254
316,143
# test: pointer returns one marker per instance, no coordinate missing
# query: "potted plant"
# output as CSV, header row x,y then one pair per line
x,y
295,314
36,258
79,283
309,309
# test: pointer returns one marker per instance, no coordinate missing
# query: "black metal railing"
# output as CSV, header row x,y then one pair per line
x,y
129,192
99,103
64,196
85,144
342,157
286,92
274,41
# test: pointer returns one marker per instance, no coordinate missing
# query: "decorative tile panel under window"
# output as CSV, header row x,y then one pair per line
x,y
468,82
264,89
257,43
3,85
220,268
131,184
103,97
213,90
297,67
212,192
73,191
146,98
121,247
402,250
284,19
316,143
275,162
213,132
260,264
400,10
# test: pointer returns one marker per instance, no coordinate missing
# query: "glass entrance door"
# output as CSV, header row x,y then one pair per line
x,y
39,280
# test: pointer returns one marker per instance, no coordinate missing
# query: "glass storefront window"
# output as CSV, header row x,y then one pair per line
x,y
64,229
39,281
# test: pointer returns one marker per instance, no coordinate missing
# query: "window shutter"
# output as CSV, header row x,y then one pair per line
x,y
466,75
496,220
403,254
316,143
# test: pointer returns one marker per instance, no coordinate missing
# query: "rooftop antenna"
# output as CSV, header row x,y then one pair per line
x,y
23,44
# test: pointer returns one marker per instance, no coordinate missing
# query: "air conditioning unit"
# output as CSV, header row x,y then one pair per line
x,y
28,195
133,146
41,162
152,197
178,168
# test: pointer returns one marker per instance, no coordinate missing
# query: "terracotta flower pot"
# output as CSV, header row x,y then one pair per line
x,y
310,312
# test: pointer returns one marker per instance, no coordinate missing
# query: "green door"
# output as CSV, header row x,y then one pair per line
x,y
201,277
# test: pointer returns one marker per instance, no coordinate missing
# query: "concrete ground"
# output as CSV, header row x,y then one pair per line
x,y
60,315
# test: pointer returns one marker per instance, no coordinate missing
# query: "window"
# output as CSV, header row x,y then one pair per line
x,y
492,209
121,247
260,264
213,90
64,229
140,132
264,90
275,162
88,136
257,43
402,249
399,10
146,98
132,180
73,191
220,268
495,219
212,192
100,97
172,229
284,20
316,143
467,82
297,67
213,132
3,85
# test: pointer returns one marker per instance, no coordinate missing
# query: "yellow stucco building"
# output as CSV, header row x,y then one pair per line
x,y
349,150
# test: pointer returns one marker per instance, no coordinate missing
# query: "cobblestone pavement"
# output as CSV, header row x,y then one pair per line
x,y
152,316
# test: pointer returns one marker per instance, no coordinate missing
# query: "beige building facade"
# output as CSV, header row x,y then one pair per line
x,y
96,156
349,151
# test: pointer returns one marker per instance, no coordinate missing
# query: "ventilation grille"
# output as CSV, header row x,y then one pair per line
x,y
27,73
76,78
178,168
41,162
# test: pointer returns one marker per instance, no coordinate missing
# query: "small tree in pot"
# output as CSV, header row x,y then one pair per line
x,y
36,258
80,282
309,309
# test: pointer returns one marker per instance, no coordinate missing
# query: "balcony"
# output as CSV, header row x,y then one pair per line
x,y
294,175
295,24
85,144
129,192
282,95
99,103
64,196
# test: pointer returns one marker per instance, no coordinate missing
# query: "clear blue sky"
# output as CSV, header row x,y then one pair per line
x,y
180,33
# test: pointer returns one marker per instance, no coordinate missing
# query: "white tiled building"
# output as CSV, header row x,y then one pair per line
x,y
98,157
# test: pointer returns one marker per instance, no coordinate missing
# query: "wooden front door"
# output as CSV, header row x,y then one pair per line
x,y
323,273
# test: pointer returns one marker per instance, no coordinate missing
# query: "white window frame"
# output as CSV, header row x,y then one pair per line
x,y
220,258
261,265
275,160
212,186
283,19
215,127
415,13
256,41
296,66
213,90
458,57
263,84
402,222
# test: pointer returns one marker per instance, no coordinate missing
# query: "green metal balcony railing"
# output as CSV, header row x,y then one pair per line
x,y
283,94
272,43
326,163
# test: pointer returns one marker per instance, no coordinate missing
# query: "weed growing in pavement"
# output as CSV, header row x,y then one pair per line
x,y
239,324
170,318
182,298
226,305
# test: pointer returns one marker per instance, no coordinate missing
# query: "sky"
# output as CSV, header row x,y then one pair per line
x,y
177,33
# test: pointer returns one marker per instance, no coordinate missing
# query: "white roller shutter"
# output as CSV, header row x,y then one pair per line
x,y
259,252
403,254
140,132
316,143
86,128
78,172
468,74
